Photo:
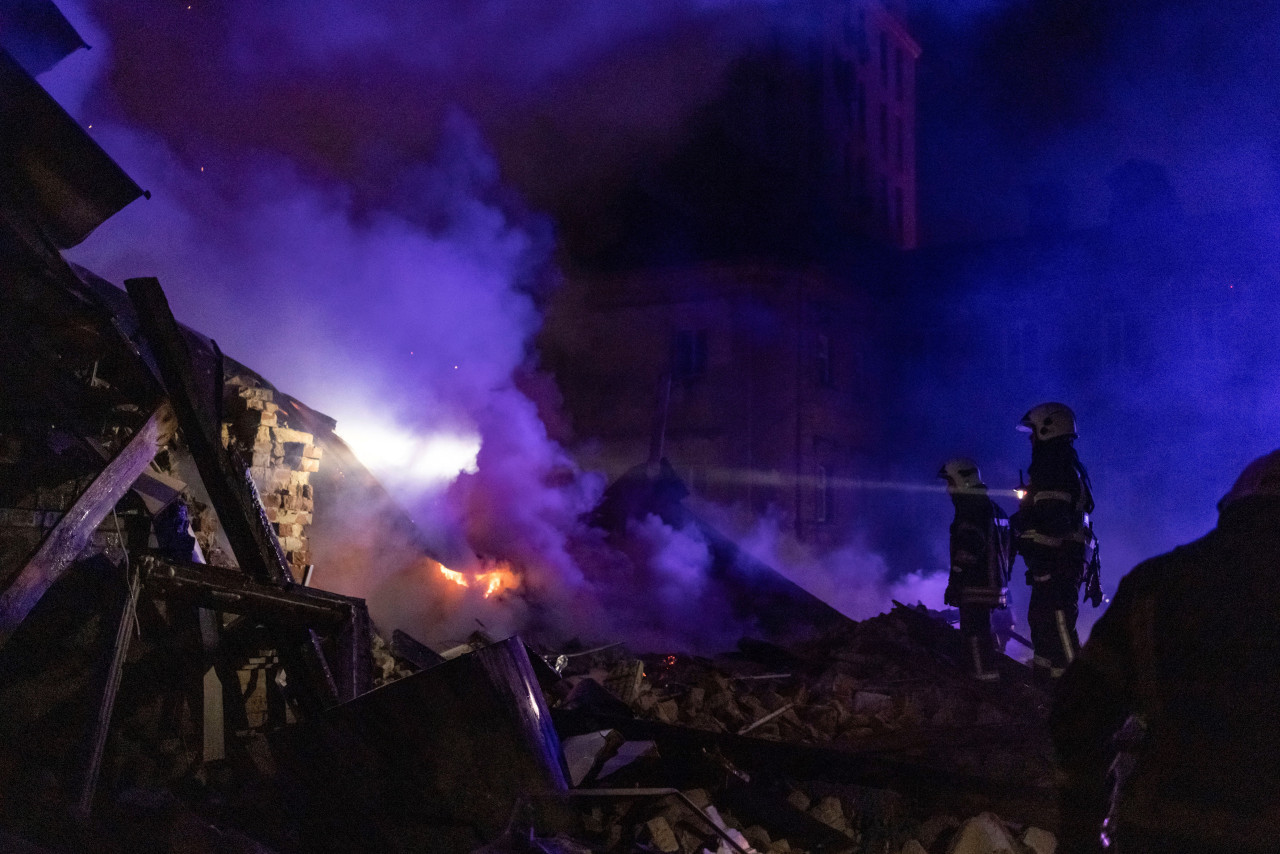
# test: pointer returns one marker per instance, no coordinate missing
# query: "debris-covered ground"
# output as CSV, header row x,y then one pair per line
x,y
869,739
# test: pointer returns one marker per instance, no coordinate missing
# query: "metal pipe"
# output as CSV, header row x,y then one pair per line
x,y
764,720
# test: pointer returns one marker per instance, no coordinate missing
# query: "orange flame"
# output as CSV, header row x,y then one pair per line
x,y
497,579
456,577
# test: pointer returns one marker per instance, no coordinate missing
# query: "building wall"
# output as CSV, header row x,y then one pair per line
x,y
767,408
868,112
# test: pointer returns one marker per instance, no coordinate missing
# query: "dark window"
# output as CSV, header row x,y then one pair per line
x,y
884,132
899,146
899,215
884,61
862,110
689,354
822,360
822,495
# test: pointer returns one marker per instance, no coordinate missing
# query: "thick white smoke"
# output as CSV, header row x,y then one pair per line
x,y
405,312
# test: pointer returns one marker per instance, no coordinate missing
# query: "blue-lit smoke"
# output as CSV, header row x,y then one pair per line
x,y
330,133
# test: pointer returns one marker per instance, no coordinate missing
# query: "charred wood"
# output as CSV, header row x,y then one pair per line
x,y
230,489
418,654
195,401
890,766
106,706
69,537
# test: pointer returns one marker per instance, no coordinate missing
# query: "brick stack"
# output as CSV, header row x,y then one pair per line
x,y
281,461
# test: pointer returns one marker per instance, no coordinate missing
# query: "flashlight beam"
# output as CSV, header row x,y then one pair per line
x,y
744,477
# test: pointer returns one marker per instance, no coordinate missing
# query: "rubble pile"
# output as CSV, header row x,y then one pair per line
x,y
171,682
870,738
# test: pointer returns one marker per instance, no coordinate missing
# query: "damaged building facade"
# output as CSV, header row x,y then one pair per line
x,y
176,677
759,383
726,333
179,674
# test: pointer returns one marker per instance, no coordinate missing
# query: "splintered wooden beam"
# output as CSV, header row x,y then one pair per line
x,y
344,618
106,707
69,537
231,490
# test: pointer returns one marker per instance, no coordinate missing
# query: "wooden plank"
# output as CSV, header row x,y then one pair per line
x,y
1024,797
231,592
231,490
406,646
70,536
106,706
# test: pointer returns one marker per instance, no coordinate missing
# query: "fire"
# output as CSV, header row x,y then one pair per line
x,y
456,577
499,577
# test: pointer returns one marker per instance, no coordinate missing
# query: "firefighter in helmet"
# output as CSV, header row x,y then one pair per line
x,y
1184,669
1052,532
980,563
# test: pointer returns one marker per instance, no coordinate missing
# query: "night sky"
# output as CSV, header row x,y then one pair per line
x,y
575,97
406,182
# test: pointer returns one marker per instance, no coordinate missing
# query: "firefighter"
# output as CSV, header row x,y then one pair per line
x,y
1184,667
1052,532
980,563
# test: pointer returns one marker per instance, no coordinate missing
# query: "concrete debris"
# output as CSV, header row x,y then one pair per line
x,y
661,836
873,739
1039,841
254,713
983,834
628,752
582,752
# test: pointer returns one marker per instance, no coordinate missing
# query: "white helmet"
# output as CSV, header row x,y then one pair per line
x,y
962,475
1260,478
1048,421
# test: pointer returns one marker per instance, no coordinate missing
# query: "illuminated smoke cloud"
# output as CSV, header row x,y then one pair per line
x,y
332,203
854,578
406,314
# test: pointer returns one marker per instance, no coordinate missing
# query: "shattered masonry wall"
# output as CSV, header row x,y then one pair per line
x,y
281,461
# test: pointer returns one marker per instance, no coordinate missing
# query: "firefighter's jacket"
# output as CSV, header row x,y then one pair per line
x,y
1053,516
1190,651
980,552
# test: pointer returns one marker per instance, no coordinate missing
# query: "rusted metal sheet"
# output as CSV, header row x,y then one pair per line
x,y
69,537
